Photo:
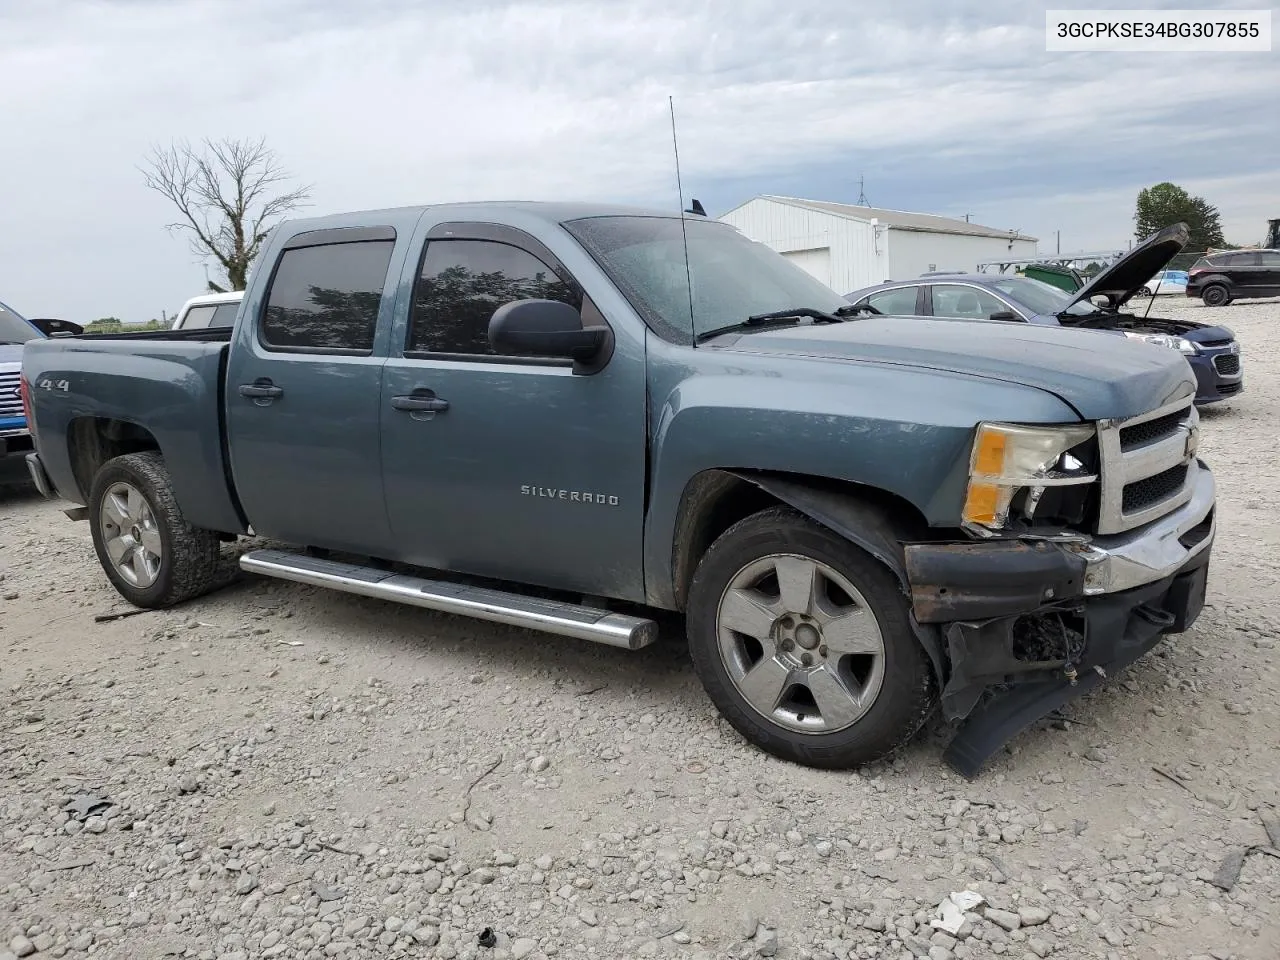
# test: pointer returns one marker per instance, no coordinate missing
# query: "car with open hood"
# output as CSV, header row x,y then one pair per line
x,y
1210,349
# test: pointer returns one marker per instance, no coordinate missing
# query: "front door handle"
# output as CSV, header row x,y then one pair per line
x,y
420,402
261,389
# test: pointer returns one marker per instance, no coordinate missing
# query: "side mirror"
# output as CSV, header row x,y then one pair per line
x,y
57,328
1003,315
544,328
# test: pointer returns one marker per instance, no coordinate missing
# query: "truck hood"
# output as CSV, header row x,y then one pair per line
x,y
1099,379
10,354
1120,281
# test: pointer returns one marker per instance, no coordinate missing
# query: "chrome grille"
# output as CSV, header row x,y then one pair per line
x,y
1148,465
1227,364
1149,491
10,399
1149,431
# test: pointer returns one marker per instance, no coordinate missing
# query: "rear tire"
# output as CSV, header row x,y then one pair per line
x,y
149,551
803,642
1215,295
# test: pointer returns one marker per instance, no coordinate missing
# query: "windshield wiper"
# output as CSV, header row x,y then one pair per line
x,y
789,317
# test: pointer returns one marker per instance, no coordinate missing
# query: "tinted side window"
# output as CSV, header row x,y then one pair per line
x,y
197,317
225,315
1240,260
463,282
1270,258
964,303
326,297
900,302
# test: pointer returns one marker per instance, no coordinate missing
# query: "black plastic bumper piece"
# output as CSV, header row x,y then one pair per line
x,y
1119,628
39,477
978,581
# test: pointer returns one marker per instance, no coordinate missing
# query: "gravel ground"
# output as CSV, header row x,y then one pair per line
x,y
277,771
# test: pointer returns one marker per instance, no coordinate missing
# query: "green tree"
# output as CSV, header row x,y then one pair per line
x,y
1167,203
229,194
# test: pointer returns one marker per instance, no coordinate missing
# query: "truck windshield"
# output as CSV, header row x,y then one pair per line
x,y
731,278
1043,298
14,328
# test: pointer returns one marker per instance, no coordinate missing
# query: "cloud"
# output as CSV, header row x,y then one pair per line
x,y
949,108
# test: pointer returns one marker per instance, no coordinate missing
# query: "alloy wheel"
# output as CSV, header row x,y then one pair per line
x,y
800,644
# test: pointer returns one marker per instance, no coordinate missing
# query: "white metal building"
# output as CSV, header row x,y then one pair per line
x,y
847,246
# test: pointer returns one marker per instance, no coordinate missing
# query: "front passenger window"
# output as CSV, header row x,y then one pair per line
x,y
462,283
964,303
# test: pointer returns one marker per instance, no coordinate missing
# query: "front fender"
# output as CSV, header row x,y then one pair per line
x,y
899,430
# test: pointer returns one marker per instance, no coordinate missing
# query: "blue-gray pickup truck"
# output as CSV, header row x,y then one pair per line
x,y
568,417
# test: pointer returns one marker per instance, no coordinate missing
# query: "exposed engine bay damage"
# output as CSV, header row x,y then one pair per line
x,y
992,653
1021,638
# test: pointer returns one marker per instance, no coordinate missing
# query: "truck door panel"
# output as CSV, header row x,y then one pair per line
x,y
303,392
509,467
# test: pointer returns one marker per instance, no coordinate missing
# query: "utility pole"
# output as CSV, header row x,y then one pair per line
x,y
1058,234
967,216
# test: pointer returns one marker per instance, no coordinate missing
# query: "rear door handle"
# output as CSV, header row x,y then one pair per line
x,y
261,390
420,402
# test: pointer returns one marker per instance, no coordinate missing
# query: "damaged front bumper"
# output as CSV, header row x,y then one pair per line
x,y
1026,626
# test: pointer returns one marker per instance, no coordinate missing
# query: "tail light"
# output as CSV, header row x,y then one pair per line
x,y
24,391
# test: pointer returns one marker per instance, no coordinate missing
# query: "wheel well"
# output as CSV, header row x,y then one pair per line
x,y
92,441
717,499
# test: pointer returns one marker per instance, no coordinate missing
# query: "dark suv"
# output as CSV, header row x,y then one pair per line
x,y
1223,277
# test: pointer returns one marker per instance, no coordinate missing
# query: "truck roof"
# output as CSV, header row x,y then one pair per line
x,y
231,296
552,212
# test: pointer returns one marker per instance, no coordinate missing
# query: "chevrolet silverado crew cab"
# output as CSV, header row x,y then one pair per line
x,y
566,417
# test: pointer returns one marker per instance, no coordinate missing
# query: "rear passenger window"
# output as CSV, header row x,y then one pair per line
x,y
463,282
197,318
225,315
325,299
1240,260
900,302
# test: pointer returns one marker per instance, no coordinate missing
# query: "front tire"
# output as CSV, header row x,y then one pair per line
x,y
1215,295
804,644
149,551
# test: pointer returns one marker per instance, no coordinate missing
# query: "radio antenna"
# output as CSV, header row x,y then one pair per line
x,y
684,233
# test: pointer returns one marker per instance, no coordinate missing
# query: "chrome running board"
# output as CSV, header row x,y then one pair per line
x,y
516,610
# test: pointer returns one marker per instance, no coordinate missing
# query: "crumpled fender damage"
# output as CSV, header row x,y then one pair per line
x,y
861,522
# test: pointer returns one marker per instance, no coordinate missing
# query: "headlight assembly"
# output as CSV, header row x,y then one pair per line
x,y
1181,344
1008,458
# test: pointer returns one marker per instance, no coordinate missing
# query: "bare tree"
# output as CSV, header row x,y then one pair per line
x,y
230,194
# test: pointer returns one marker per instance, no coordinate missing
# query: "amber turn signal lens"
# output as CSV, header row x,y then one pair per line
x,y
980,505
988,459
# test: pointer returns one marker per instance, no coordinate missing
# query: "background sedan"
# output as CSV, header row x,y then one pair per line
x,y
1211,351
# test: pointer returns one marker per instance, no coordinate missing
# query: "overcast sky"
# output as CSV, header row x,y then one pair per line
x,y
945,107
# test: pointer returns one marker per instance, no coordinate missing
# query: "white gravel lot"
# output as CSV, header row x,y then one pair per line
x,y
294,773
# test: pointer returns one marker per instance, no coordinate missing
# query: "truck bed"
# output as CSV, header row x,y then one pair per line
x,y
201,334
94,389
